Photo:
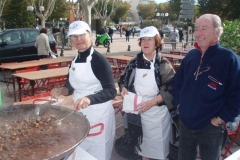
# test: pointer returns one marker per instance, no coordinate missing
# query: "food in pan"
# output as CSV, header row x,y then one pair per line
x,y
29,136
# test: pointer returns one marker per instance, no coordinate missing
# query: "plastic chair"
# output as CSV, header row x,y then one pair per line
x,y
172,60
234,136
175,52
40,95
7,78
55,82
24,83
121,62
115,73
110,60
54,65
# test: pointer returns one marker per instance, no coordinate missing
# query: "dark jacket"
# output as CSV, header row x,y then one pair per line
x,y
215,92
128,33
110,31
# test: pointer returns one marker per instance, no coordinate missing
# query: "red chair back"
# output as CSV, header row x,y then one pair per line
x,y
110,60
121,62
175,52
233,137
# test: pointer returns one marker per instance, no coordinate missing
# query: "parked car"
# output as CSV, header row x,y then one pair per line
x,y
114,28
137,29
17,45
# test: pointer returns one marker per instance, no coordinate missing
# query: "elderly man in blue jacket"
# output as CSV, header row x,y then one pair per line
x,y
206,91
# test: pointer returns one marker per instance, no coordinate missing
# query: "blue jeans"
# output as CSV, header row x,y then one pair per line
x,y
209,140
127,38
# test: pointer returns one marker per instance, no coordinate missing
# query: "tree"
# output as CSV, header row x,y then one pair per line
x,y
105,8
231,35
61,10
147,11
226,10
87,8
48,9
121,11
16,15
78,13
2,4
174,9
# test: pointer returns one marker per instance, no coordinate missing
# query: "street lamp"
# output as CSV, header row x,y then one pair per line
x,y
32,9
166,15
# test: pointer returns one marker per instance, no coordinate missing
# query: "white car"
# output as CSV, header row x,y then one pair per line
x,y
114,28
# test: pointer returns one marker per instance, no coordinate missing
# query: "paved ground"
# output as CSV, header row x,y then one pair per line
x,y
118,47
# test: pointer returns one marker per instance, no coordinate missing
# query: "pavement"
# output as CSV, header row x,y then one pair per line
x,y
118,47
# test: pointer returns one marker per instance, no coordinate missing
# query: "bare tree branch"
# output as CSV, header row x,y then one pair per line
x,y
2,3
43,15
101,10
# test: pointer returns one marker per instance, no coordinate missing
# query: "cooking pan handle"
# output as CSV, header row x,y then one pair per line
x,y
97,133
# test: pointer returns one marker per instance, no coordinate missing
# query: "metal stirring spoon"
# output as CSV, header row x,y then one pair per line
x,y
59,121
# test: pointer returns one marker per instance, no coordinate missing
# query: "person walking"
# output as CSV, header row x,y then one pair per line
x,y
42,44
180,35
110,33
93,89
149,75
133,30
174,37
162,36
161,33
206,94
127,34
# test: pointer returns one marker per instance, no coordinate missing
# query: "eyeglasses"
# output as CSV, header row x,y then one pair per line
x,y
74,37
200,70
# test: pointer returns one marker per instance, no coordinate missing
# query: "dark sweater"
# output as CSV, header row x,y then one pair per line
x,y
103,72
216,92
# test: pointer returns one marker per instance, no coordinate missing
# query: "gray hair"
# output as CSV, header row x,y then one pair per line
x,y
217,23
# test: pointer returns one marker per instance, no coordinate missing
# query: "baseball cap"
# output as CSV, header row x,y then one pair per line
x,y
78,27
150,31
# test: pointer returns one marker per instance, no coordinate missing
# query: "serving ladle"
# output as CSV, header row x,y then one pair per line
x,y
59,121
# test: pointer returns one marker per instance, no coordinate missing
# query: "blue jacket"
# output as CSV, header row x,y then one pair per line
x,y
216,92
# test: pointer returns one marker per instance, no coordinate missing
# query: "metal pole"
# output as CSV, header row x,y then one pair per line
x,y
62,50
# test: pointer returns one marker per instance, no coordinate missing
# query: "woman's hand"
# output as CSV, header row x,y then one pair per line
x,y
82,103
124,91
144,106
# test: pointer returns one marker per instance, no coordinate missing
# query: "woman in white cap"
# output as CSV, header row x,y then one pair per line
x,y
149,75
91,81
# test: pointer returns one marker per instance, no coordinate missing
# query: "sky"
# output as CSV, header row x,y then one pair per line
x,y
161,1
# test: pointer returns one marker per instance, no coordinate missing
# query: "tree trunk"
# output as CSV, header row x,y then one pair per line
x,y
87,14
43,22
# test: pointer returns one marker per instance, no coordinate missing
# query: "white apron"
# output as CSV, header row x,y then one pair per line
x,y
84,82
156,123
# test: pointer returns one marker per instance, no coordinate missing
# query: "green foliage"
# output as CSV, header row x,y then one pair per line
x,y
147,11
227,10
121,11
61,10
231,35
16,15
174,9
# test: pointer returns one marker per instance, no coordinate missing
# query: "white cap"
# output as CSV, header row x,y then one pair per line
x,y
150,31
78,27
